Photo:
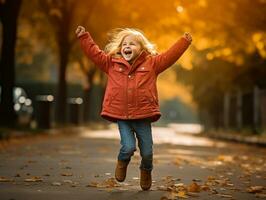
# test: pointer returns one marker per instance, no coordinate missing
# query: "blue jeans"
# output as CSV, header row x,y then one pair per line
x,y
129,131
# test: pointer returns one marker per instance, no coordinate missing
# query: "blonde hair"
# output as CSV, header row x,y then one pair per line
x,y
117,37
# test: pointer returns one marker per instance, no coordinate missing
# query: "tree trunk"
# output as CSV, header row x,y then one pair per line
x,y
86,104
87,92
61,100
9,15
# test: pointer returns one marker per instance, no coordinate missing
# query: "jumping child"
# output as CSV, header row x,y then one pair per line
x,y
131,100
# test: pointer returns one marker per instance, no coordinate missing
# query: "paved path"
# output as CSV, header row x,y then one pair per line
x,y
81,165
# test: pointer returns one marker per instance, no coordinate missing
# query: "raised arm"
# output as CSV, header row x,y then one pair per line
x,y
92,50
169,57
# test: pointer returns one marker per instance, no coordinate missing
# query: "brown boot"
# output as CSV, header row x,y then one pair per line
x,y
145,179
121,170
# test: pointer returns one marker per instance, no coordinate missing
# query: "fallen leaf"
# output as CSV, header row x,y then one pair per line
x,y
66,174
211,178
196,180
205,187
170,196
34,179
182,194
225,195
4,179
255,189
179,185
225,158
109,183
56,184
194,187
68,181
162,188
93,184
75,184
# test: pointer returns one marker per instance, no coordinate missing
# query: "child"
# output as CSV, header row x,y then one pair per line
x,y
132,66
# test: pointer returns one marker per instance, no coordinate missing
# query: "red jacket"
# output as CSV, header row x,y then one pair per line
x,y
131,91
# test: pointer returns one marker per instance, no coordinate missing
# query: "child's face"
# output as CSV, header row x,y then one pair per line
x,y
131,48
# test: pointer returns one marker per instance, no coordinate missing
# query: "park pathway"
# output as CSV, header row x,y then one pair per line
x,y
78,164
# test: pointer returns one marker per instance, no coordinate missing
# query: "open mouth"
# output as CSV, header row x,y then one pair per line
x,y
127,51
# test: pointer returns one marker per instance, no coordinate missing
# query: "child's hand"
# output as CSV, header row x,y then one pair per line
x,y
187,36
80,31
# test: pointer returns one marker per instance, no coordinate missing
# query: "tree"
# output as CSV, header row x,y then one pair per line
x,y
63,17
9,12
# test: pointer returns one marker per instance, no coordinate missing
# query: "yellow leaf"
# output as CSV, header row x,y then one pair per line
x,y
182,194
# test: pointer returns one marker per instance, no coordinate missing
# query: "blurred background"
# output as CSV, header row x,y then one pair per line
x,y
219,83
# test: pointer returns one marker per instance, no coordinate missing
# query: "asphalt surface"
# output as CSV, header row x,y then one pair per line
x,y
81,165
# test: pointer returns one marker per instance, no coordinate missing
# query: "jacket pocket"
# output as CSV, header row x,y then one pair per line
x,y
144,99
116,101
142,75
155,99
117,72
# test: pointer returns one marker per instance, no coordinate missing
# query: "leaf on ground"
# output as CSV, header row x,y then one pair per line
x,y
255,189
179,187
56,183
109,183
4,179
162,188
225,196
93,184
225,158
182,194
66,174
196,180
194,187
211,178
34,179
169,196
205,187
68,181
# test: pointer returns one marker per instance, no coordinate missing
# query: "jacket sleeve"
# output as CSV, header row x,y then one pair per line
x,y
169,57
92,50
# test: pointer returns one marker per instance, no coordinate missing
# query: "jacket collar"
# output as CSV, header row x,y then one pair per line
x,y
140,59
